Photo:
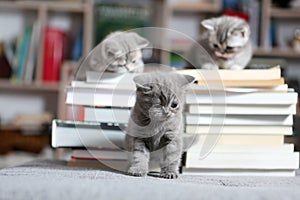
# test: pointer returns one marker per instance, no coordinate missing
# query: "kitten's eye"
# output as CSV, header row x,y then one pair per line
x,y
216,46
229,48
133,61
174,105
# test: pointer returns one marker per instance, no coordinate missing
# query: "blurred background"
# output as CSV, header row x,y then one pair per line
x,y
42,41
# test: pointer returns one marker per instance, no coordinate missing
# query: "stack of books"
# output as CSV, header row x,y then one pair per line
x,y
240,118
98,139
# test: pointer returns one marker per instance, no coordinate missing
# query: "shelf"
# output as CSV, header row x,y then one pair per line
x,y
285,13
50,5
13,85
277,52
196,7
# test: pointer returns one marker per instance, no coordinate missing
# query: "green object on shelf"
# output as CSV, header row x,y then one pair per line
x,y
177,61
111,16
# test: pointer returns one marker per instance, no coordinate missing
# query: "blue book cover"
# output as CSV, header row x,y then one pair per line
x,y
23,53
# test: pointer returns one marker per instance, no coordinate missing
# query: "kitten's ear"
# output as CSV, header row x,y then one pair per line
x,y
244,32
209,24
112,49
184,80
141,84
140,41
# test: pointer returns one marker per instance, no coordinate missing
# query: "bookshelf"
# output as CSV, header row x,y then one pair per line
x,y
268,13
205,9
13,85
277,52
285,13
41,12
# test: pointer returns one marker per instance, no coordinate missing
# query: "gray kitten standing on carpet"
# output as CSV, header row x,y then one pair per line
x,y
156,123
119,52
227,42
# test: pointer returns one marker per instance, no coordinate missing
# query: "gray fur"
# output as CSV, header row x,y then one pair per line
x,y
118,52
156,123
231,35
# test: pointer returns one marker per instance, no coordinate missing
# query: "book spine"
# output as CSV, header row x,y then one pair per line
x,y
23,53
53,53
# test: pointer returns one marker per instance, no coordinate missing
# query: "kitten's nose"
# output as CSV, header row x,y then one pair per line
x,y
166,112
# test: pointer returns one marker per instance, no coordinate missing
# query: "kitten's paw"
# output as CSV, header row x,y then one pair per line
x,y
236,67
209,66
137,171
169,175
169,136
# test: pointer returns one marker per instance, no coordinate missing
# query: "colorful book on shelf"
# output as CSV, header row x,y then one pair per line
x,y
214,119
53,56
72,134
258,160
107,114
120,15
239,129
23,53
32,53
239,109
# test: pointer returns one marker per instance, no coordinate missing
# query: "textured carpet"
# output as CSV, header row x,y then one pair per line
x,y
48,179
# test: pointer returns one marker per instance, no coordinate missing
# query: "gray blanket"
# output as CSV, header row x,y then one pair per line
x,y
48,179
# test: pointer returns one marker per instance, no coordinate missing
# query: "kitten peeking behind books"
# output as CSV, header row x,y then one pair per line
x,y
227,45
156,123
119,52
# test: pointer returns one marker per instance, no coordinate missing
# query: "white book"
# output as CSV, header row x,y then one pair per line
x,y
239,109
238,148
243,160
210,141
106,77
239,129
107,114
237,172
100,97
71,134
259,98
214,119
